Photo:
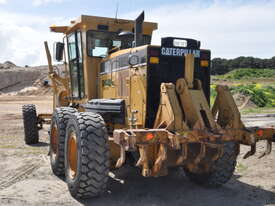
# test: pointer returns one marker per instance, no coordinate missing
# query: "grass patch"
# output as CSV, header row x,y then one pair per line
x,y
8,147
213,94
241,167
261,110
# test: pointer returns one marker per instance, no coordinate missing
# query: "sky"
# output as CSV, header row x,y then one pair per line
x,y
230,28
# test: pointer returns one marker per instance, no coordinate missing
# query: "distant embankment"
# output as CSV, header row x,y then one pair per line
x,y
22,80
222,66
16,79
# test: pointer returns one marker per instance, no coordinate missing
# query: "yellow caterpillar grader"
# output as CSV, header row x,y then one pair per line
x,y
122,101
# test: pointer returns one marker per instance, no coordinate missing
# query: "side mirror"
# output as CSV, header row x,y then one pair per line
x,y
58,51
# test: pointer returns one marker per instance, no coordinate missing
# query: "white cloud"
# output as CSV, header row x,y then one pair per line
x,y
229,29
42,2
22,38
3,1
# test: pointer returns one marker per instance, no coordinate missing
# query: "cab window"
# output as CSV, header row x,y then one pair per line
x,y
100,42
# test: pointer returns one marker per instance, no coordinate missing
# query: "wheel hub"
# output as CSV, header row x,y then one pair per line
x,y
72,155
54,142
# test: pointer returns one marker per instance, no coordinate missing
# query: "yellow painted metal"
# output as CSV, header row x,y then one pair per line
x,y
60,85
63,100
195,105
129,84
230,117
138,97
169,114
189,70
72,155
107,86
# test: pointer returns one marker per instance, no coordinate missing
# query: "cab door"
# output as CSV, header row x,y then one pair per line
x,y
76,65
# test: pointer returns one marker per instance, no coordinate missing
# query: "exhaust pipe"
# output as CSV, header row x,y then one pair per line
x,y
138,30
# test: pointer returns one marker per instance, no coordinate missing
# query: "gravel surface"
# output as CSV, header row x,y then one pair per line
x,y
26,178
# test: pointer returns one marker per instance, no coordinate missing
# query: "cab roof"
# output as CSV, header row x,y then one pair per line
x,y
97,23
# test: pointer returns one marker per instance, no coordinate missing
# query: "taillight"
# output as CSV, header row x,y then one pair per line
x,y
204,63
205,58
153,55
154,60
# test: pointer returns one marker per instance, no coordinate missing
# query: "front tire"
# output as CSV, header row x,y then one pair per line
x,y
30,124
86,155
222,169
57,138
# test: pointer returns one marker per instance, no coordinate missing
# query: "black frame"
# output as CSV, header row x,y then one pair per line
x,y
76,61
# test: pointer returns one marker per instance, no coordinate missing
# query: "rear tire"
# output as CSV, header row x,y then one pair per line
x,y
59,122
30,124
86,155
222,169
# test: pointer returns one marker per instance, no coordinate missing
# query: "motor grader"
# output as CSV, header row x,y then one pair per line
x,y
123,101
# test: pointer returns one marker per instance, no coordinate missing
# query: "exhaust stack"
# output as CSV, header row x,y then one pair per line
x,y
138,30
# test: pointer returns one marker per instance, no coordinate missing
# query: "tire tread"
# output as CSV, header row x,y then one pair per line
x,y
30,124
93,177
222,170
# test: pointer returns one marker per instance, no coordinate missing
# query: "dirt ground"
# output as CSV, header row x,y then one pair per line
x,y
26,177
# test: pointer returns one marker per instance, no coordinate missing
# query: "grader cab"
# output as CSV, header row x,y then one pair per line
x,y
122,101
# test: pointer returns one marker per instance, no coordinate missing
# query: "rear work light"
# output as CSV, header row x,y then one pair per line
x,y
179,43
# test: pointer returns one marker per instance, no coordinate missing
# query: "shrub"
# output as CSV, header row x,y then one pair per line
x,y
261,96
247,73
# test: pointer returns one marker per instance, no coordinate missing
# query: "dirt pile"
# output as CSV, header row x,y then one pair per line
x,y
16,80
7,65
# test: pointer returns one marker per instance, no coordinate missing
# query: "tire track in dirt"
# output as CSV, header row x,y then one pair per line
x,y
20,174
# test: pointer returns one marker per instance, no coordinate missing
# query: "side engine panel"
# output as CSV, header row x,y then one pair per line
x,y
121,80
